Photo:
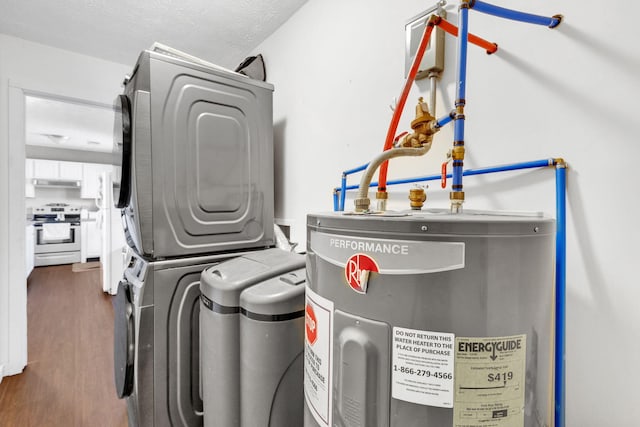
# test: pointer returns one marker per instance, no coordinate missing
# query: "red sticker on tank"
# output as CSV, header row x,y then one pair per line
x,y
310,324
357,271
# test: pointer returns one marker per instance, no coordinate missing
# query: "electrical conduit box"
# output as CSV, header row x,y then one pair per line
x,y
433,59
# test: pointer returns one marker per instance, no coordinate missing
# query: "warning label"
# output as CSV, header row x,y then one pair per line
x,y
318,352
422,367
490,381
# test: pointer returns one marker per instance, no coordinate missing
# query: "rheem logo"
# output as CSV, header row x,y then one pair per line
x,y
310,324
357,271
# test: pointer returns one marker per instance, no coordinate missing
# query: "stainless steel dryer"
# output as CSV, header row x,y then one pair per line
x,y
196,147
157,360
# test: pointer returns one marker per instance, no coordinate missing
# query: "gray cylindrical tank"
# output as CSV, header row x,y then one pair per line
x,y
220,288
429,319
271,356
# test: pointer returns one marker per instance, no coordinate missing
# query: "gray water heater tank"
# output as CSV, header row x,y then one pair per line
x,y
429,319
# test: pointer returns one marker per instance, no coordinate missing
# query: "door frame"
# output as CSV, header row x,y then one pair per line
x,y
16,304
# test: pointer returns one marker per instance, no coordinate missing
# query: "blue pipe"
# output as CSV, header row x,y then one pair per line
x,y
561,291
355,170
514,15
444,120
336,207
469,172
463,42
516,166
458,130
343,191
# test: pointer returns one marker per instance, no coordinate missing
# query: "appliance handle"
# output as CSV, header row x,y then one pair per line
x,y
53,256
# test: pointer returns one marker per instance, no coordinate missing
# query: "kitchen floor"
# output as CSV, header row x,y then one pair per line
x,y
68,380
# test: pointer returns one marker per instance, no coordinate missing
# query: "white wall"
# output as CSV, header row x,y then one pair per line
x,y
26,66
569,92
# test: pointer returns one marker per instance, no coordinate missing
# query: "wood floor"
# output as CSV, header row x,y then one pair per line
x,y
68,380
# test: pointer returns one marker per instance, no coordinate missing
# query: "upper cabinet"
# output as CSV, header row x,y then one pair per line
x,y
46,169
70,170
53,169
88,174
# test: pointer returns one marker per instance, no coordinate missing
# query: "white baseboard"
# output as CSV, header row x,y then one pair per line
x,y
7,370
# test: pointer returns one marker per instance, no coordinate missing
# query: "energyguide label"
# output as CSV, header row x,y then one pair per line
x,y
490,381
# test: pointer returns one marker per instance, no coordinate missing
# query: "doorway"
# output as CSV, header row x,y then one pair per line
x,y
28,140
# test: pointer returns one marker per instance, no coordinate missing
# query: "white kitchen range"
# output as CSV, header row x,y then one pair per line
x,y
56,234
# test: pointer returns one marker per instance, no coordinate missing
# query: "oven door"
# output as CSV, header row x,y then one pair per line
x,y
122,138
65,244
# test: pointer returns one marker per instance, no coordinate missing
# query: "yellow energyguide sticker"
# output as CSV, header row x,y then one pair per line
x,y
489,381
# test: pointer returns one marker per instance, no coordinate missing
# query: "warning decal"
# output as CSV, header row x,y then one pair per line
x,y
422,367
318,352
490,381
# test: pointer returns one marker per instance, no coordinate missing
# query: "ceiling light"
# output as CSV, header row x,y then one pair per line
x,y
56,137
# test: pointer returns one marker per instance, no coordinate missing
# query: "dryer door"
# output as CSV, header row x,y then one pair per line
x,y
123,339
122,150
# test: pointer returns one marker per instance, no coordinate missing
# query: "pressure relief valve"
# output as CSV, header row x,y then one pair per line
x,y
416,144
424,126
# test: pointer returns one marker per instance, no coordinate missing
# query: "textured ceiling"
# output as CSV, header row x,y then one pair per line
x,y
219,31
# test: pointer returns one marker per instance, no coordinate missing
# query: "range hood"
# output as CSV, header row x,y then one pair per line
x,y
56,183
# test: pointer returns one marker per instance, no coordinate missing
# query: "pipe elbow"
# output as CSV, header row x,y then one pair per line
x,y
560,163
556,20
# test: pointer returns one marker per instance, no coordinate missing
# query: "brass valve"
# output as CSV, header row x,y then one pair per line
x,y
458,153
424,126
382,195
417,196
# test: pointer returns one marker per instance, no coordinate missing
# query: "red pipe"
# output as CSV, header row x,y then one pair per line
x,y
393,126
453,30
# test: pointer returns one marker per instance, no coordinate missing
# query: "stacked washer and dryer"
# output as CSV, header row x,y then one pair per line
x,y
196,147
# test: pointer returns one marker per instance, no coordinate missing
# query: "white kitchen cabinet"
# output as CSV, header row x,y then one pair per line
x,y
90,179
29,248
70,170
28,168
54,169
46,169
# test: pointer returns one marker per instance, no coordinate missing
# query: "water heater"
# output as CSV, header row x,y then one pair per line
x,y
429,319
